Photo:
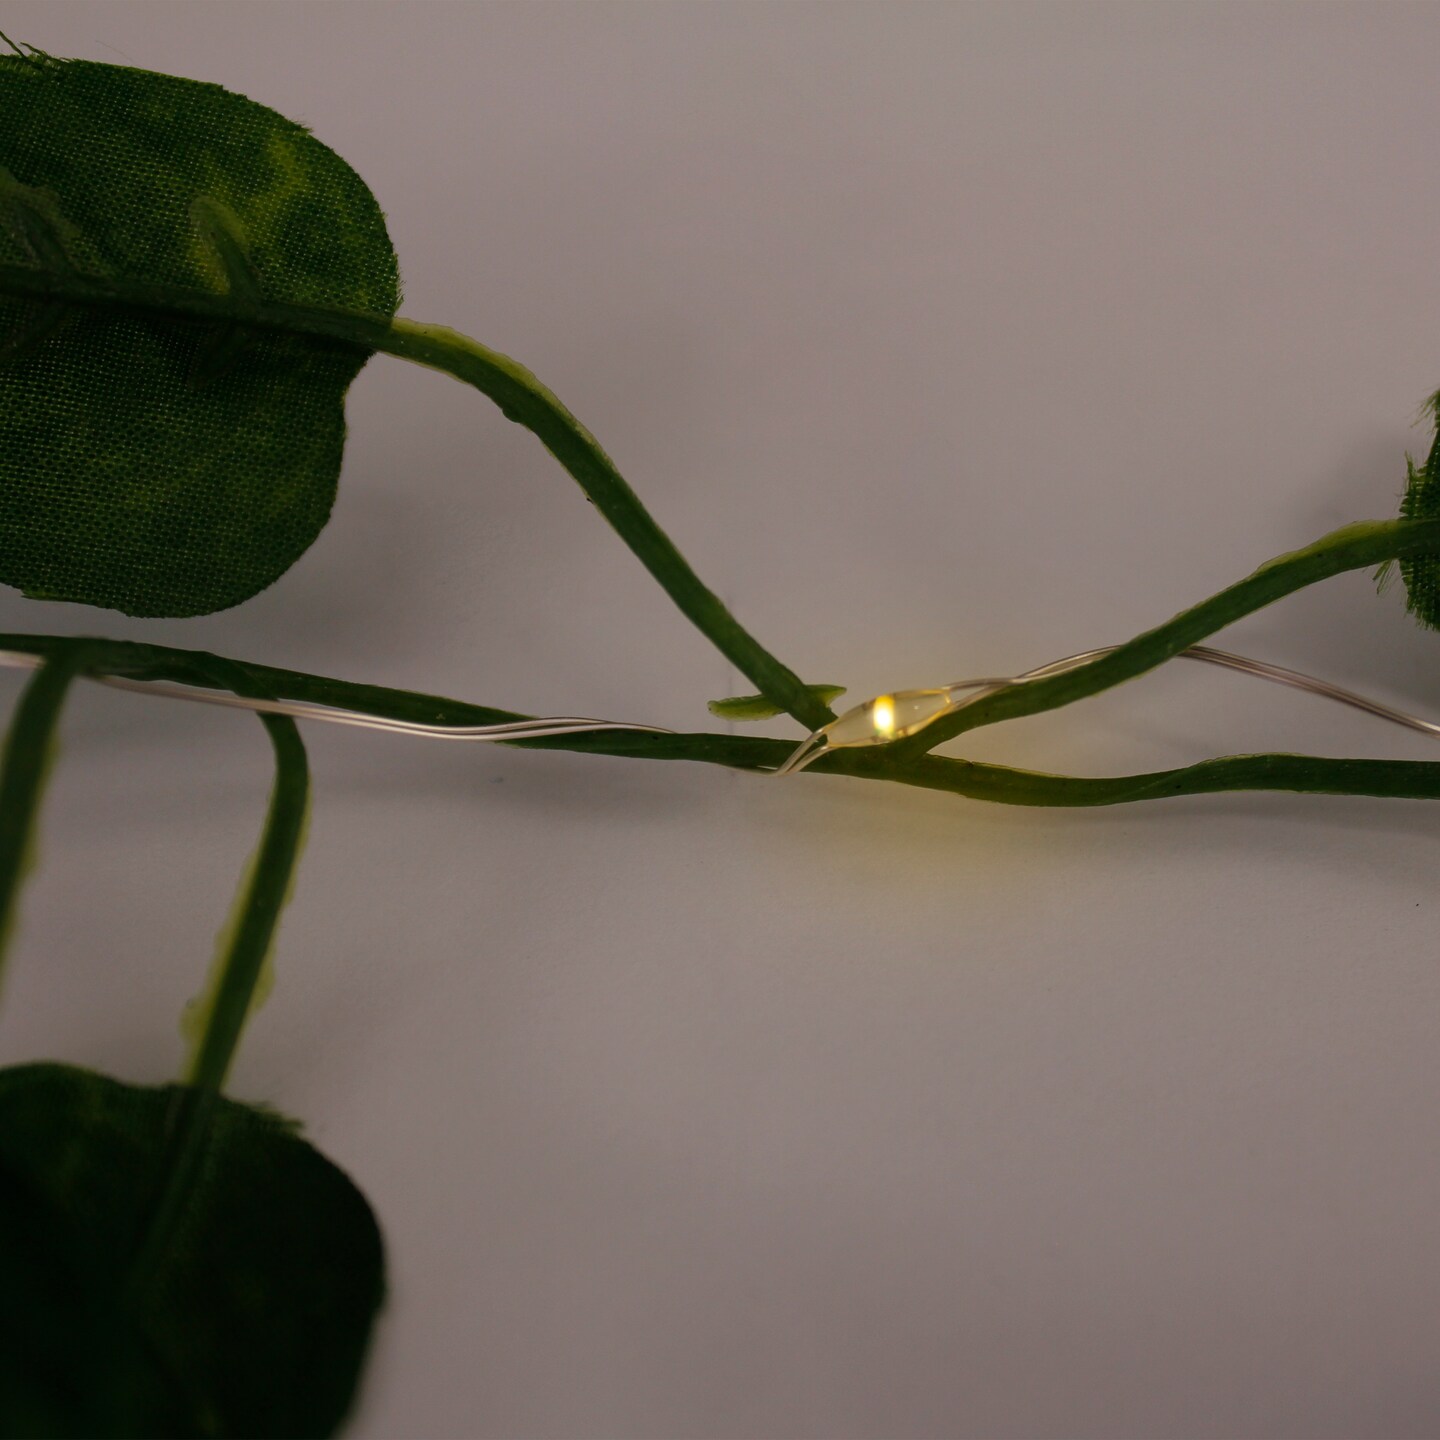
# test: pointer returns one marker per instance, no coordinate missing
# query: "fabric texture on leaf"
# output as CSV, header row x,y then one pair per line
x,y
254,1322
1421,501
164,466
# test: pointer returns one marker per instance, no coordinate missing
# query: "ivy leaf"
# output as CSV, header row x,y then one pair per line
x,y
254,1320
148,463
1421,501
759,707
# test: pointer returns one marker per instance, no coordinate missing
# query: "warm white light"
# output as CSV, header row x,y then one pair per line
x,y
885,716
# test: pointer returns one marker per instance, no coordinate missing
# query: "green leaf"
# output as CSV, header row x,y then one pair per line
x,y
1421,501
758,707
253,1322
148,463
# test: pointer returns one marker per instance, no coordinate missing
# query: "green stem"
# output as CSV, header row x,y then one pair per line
x,y
25,767
521,398
1414,779
1353,547
268,886
1297,774
266,889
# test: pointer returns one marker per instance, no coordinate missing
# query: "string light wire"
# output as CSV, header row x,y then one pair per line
x,y
534,729
907,712
876,722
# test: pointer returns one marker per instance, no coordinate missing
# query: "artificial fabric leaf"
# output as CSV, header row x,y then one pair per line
x,y
759,707
152,464
254,1319
1421,501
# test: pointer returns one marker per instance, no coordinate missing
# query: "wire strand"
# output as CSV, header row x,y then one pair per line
x,y
529,729
810,749
814,745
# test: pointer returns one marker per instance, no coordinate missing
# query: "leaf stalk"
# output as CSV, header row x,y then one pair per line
x,y
25,767
266,890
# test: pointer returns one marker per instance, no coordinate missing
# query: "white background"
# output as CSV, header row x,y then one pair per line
x,y
944,340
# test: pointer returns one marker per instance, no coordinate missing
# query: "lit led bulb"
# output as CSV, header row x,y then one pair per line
x,y
883,719
887,718
907,712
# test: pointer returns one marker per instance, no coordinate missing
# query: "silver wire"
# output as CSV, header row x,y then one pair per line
x,y
534,729
1259,668
810,749
814,744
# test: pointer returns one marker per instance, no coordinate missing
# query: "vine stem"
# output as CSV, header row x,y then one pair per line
x,y
524,399
1413,779
25,767
1352,547
521,398
267,888
264,893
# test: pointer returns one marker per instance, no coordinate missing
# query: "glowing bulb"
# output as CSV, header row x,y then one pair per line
x,y
886,718
877,722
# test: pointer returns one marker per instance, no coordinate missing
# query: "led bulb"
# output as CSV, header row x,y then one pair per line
x,y
887,717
